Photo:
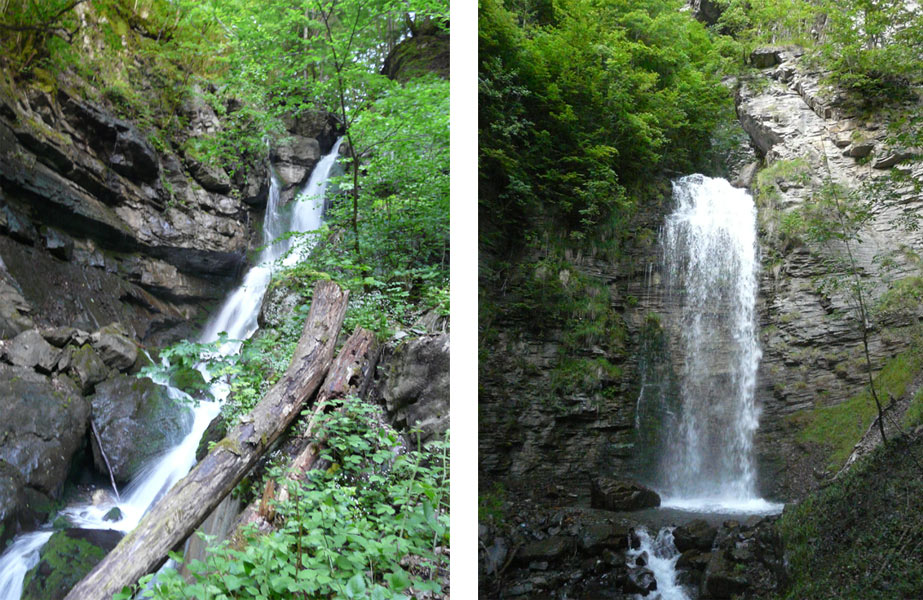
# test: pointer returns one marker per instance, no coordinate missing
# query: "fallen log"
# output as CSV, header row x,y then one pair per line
x,y
351,370
186,505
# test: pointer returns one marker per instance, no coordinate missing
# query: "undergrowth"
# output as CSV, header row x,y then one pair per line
x,y
375,524
860,536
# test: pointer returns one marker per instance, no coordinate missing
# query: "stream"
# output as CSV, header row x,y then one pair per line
x,y
238,318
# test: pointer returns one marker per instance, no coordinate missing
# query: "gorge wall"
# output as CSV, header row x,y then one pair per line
x,y
546,439
108,246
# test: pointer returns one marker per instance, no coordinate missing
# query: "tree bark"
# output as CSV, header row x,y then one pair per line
x,y
187,504
353,367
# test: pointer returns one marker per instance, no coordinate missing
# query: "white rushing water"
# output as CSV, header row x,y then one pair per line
x,y
710,263
238,318
661,555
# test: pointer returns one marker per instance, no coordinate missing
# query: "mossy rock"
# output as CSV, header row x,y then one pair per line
x,y
137,420
188,379
66,559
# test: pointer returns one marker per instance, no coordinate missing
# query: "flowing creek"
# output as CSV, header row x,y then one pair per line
x,y
238,318
710,263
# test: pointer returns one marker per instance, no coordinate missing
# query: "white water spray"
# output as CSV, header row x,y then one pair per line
x,y
710,265
661,554
238,318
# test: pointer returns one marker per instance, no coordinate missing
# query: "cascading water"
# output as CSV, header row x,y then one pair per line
x,y
710,266
238,318
660,555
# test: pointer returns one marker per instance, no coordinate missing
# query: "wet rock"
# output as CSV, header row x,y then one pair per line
x,y
136,421
642,559
215,432
87,368
693,560
550,549
640,581
115,348
698,535
415,384
113,515
29,349
21,508
595,535
621,494
44,422
723,579
67,557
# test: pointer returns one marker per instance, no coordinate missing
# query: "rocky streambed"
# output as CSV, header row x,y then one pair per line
x,y
534,550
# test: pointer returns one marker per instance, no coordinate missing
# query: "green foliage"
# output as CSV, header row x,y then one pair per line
x,y
576,113
373,525
839,427
858,537
873,49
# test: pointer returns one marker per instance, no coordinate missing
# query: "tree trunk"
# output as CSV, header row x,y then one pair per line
x,y
354,366
187,504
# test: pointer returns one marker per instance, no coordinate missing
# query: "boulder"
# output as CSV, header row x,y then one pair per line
x,y
706,11
550,549
67,557
415,384
21,508
62,336
723,579
698,535
29,349
136,421
620,494
44,422
87,368
114,347
640,580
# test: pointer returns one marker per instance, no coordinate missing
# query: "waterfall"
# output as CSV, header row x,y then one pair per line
x,y
238,318
710,264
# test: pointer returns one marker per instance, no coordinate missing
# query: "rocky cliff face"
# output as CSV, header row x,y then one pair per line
x,y
99,227
811,338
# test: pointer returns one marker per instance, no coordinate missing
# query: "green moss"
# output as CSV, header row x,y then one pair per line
x,y
839,427
914,414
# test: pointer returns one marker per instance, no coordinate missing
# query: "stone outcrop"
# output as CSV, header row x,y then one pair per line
x,y
43,425
118,230
811,341
136,420
414,384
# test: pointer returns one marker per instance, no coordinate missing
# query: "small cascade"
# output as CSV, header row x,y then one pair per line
x,y
659,555
238,319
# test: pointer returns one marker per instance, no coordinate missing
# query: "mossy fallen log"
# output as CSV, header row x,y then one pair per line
x,y
189,502
348,375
